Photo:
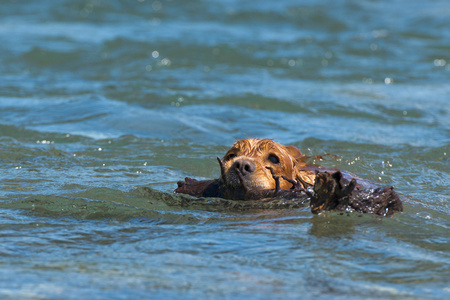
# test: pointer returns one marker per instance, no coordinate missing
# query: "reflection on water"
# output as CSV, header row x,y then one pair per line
x,y
105,105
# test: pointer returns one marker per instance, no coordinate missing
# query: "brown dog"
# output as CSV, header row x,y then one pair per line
x,y
255,169
253,163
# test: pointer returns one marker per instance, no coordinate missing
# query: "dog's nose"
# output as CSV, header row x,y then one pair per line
x,y
245,166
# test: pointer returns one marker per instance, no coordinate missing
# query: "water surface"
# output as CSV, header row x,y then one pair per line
x,y
100,100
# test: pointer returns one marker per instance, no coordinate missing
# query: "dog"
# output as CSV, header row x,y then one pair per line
x,y
254,169
255,163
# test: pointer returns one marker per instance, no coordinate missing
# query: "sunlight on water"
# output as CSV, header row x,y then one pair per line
x,y
105,105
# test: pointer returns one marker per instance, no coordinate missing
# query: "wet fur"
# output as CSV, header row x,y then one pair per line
x,y
256,158
258,169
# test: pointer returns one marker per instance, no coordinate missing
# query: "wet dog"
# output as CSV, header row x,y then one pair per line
x,y
255,163
255,169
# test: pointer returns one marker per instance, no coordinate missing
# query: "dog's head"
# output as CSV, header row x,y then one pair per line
x,y
251,157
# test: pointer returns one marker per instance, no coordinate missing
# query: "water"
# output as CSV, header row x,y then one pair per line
x,y
100,100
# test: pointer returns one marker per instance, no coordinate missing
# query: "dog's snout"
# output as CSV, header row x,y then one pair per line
x,y
245,166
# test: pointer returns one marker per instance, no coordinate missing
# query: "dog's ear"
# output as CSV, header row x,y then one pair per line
x,y
294,152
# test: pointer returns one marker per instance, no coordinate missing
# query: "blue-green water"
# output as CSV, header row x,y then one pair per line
x,y
100,99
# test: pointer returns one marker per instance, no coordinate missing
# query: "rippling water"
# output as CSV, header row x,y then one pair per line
x,y
101,100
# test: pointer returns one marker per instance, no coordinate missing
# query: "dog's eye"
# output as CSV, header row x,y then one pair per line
x,y
230,156
274,159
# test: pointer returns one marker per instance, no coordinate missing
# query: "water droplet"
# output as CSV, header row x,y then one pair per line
x,y
155,54
439,62
388,80
165,62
